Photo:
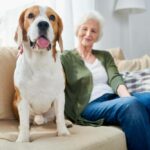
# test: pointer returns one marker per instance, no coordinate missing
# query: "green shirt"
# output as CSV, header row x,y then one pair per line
x,y
79,83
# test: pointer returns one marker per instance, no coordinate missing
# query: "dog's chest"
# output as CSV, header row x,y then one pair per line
x,y
39,83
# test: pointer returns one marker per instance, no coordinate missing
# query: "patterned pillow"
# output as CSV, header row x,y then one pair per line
x,y
137,81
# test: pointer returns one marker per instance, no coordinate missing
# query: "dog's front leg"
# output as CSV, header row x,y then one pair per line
x,y
60,119
23,110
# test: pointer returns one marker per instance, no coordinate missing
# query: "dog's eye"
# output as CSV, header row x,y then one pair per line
x,y
52,17
31,16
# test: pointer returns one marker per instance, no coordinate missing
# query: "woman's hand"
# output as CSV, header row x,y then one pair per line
x,y
123,91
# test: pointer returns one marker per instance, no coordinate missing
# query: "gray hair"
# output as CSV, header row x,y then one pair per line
x,y
94,15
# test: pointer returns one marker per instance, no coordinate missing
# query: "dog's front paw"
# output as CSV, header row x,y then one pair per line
x,y
68,123
22,138
63,132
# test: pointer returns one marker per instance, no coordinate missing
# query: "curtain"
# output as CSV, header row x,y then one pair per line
x,y
68,10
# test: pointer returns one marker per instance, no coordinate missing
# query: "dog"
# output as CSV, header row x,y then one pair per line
x,y
39,78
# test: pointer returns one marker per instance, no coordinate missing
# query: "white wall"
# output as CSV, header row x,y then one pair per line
x,y
140,26
131,33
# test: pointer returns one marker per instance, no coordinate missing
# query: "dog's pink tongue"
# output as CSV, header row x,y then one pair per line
x,y
42,42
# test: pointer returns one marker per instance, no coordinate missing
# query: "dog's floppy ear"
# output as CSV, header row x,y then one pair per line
x,y
20,32
18,35
58,37
59,34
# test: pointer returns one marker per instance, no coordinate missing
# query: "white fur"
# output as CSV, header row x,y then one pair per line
x,y
41,84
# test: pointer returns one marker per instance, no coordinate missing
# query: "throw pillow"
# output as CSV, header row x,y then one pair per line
x,y
137,81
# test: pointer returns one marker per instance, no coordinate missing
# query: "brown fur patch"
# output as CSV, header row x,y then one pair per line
x,y
16,100
25,21
57,27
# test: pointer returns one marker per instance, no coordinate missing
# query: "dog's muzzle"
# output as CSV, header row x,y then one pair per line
x,y
42,41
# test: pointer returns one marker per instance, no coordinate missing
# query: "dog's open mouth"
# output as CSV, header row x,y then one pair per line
x,y
42,43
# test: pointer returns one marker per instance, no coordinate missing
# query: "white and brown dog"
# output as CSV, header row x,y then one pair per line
x,y
38,77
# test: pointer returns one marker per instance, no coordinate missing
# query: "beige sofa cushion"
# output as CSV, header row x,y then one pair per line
x,y
7,64
81,138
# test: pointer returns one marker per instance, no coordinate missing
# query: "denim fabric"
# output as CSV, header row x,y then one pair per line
x,y
132,114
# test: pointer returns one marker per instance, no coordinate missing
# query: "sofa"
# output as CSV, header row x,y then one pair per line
x,y
44,137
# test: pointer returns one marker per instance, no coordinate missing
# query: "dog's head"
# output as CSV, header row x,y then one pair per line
x,y
40,28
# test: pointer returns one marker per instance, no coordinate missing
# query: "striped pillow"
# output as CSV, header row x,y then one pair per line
x,y
137,81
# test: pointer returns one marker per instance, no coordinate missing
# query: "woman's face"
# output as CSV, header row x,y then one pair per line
x,y
88,33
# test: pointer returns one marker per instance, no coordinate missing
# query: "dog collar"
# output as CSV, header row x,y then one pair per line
x,y
20,50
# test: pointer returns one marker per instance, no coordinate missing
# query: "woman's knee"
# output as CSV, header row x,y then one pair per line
x,y
144,98
132,109
142,95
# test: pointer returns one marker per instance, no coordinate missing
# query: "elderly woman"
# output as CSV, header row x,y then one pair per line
x,y
95,91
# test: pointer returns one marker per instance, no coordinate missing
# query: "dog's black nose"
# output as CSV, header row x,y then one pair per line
x,y
43,26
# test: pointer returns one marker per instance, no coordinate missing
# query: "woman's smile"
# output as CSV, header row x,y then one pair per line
x,y
88,33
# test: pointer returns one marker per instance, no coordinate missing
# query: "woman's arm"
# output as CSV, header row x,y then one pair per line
x,y
115,78
123,91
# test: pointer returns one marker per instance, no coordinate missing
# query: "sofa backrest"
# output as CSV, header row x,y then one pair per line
x,y
7,65
125,65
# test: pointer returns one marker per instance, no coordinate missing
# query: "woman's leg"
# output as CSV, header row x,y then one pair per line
x,y
144,98
129,113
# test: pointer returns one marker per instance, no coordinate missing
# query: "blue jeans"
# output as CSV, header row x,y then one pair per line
x,y
132,114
